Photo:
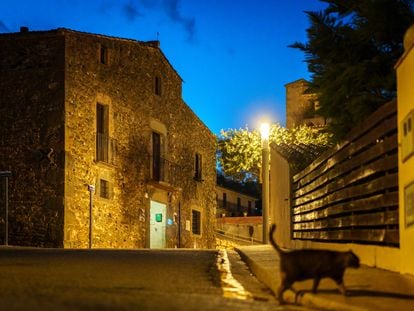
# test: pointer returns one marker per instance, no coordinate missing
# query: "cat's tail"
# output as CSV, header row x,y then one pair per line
x,y
271,239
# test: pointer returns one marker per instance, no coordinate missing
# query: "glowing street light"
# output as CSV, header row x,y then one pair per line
x,y
264,132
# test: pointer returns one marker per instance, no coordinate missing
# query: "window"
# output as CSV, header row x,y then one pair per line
x,y
224,199
103,55
198,165
195,222
407,141
157,85
156,156
238,203
102,118
102,131
160,166
249,208
104,189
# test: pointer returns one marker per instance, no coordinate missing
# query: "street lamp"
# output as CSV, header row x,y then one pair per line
x,y
264,132
91,189
6,175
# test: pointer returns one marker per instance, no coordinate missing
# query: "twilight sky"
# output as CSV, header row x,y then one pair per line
x,y
231,54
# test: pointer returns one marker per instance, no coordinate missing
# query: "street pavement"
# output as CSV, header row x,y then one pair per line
x,y
368,288
68,279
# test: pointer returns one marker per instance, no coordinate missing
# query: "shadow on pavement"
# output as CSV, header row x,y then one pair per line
x,y
360,293
374,293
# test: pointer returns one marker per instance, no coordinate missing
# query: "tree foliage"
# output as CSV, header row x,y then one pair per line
x,y
351,51
249,187
240,151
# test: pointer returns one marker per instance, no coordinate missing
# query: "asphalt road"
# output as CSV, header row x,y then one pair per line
x,y
57,279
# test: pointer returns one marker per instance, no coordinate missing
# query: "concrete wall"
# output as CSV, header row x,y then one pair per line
x,y
405,91
243,230
279,212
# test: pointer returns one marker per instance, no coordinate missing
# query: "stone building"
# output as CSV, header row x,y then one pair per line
x,y
301,107
102,148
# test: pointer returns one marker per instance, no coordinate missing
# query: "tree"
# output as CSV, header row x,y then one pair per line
x,y
351,51
239,151
249,187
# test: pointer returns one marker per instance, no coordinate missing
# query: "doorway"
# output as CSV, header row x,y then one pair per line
x,y
157,224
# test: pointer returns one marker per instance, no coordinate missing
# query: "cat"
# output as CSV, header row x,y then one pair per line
x,y
303,264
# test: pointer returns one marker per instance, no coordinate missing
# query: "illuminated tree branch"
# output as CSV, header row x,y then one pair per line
x,y
239,151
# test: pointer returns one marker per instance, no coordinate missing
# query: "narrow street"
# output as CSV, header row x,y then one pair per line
x,y
57,279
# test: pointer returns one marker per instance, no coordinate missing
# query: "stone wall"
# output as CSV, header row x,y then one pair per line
x,y
62,78
126,84
31,137
301,108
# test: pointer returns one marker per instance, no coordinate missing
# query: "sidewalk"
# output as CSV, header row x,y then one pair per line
x,y
368,288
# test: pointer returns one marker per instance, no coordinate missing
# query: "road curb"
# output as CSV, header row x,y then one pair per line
x,y
304,299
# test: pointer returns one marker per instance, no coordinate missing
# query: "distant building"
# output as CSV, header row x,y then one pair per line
x,y
232,203
301,107
101,146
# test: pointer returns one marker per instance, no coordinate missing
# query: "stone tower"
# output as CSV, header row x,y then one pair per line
x,y
301,108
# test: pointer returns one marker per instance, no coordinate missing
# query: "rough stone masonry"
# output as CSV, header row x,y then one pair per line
x,y
79,109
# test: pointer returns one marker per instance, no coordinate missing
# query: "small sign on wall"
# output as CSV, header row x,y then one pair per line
x,y
409,205
158,217
407,136
187,225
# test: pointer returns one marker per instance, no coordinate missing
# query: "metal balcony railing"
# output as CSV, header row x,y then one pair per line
x,y
163,170
233,209
105,148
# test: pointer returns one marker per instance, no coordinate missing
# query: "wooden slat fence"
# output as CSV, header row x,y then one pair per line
x,y
350,193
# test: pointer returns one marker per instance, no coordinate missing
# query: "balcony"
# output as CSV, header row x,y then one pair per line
x,y
233,209
163,171
105,149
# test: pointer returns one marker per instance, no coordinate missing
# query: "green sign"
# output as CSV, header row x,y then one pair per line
x,y
158,217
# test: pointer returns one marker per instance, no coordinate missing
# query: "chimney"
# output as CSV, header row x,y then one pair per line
x,y
24,29
155,44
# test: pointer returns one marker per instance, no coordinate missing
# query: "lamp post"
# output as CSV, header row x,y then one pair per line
x,y
6,175
91,189
264,131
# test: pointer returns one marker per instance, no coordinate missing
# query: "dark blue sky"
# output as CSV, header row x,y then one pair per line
x,y
231,54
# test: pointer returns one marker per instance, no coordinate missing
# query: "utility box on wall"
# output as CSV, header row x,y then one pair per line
x,y
409,205
407,138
